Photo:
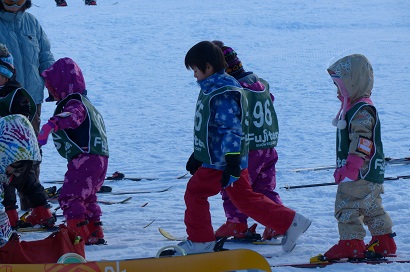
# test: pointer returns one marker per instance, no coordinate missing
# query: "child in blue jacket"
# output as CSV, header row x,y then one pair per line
x,y
220,157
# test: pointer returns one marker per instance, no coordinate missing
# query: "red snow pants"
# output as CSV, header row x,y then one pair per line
x,y
206,182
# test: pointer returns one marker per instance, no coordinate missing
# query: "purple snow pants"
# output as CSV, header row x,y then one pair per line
x,y
84,177
262,177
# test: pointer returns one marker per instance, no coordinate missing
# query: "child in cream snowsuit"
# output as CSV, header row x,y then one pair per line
x,y
360,163
263,138
219,128
79,136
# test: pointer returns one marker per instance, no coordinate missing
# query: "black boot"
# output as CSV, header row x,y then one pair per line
x,y
90,2
61,3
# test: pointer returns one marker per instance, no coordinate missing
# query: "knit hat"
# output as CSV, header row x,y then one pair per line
x,y
6,62
234,68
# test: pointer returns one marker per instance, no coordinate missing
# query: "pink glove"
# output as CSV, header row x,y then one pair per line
x,y
46,129
349,170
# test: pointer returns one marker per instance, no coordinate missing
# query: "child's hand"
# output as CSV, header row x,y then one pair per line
x,y
46,129
349,170
193,164
232,170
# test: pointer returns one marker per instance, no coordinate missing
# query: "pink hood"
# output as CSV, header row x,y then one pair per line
x,y
65,78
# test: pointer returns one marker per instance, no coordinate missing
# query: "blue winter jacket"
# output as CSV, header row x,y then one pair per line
x,y
27,42
224,128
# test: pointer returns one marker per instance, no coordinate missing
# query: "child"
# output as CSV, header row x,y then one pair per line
x,y
18,149
218,131
262,154
79,136
360,163
16,100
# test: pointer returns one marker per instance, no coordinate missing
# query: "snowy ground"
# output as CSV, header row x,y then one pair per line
x,y
132,55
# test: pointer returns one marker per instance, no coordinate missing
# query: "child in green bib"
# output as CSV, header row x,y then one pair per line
x,y
220,157
360,163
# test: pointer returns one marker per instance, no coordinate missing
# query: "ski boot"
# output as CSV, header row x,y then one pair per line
x,y
61,3
41,215
90,2
228,229
269,234
79,226
96,236
298,226
352,249
190,247
383,245
13,218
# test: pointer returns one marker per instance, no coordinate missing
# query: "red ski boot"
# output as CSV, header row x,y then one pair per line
x,y
41,216
79,226
96,233
383,244
13,218
352,249
228,229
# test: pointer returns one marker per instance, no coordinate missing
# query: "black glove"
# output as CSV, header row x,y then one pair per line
x,y
232,170
193,164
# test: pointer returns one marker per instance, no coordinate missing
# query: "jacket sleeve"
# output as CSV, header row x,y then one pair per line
x,y
46,58
74,114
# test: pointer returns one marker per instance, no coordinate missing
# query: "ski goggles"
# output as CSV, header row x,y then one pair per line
x,y
14,3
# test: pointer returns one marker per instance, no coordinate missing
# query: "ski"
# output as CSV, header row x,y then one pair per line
x,y
113,202
322,264
105,202
388,160
37,229
115,176
120,176
149,224
53,193
273,242
288,187
405,160
317,168
137,192
172,237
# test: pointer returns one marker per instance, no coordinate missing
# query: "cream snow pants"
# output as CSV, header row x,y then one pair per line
x,y
359,202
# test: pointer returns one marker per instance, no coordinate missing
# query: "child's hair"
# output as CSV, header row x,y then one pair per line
x,y
205,52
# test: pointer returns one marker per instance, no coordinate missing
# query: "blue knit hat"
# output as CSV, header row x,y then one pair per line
x,y
6,62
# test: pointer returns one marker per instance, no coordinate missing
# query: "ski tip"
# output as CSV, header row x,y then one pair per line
x,y
181,176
